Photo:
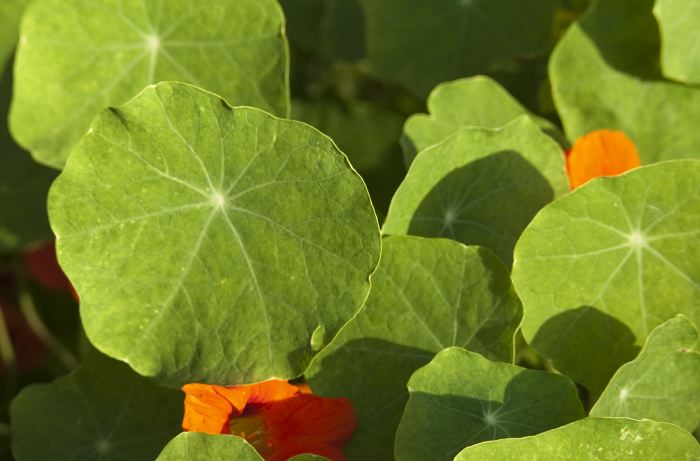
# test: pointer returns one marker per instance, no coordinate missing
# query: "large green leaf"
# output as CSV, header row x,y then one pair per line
x,y
102,411
421,43
480,186
461,398
209,243
77,57
10,13
476,101
600,268
605,74
196,446
663,383
335,29
427,294
601,439
680,41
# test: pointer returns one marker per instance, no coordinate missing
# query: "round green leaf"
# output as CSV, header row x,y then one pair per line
x,y
101,411
680,41
477,101
600,268
208,243
427,294
461,398
421,43
605,74
663,383
480,186
197,446
602,439
77,57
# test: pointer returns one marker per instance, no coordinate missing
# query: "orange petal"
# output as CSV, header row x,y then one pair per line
x,y
600,153
206,409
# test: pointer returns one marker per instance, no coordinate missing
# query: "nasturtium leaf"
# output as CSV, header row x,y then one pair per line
x,y
680,42
598,269
334,29
461,398
427,294
10,13
103,410
197,446
480,186
77,57
601,439
663,383
421,43
605,74
208,243
476,101
23,185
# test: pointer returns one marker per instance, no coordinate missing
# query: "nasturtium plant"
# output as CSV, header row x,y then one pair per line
x,y
244,215
103,410
598,269
10,13
77,57
479,400
197,446
662,383
480,186
427,294
476,102
603,439
680,42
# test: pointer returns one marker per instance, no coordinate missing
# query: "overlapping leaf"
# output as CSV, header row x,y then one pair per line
x,y
680,41
448,39
477,101
461,398
602,439
196,446
210,243
427,294
101,411
605,74
10,13
480,186
663,383
77,57
600,268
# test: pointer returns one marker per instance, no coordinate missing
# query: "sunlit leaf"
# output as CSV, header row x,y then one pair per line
x,y
680,41
196,446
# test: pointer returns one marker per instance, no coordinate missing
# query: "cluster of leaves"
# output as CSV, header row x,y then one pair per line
x,y
214,237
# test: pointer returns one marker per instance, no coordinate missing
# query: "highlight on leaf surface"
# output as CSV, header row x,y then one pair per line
x,y
427,294
278,419
77,57
600,153
207,243
598,269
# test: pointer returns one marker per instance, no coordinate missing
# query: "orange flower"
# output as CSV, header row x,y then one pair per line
x,y
277,418
600,153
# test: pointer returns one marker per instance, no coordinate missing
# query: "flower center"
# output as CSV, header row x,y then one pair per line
x,y
251,427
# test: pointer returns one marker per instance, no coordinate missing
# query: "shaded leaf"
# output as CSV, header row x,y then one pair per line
x,y
259,229
662,383
427,294
461,398
598,269
10,14
480,186
77,57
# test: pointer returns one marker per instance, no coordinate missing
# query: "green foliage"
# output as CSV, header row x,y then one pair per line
x,y
680,43
195,446
427,294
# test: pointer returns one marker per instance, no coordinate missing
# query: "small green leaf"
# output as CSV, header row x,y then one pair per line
x,y
197,446
605,74
101,411
680,42
602,439
477,101
77,57
461,398
663,383
480,186
208,243
600,268
427,294
421,43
